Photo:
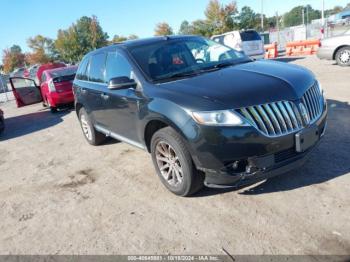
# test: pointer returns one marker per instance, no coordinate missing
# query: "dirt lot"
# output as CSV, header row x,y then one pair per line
x,y
58,195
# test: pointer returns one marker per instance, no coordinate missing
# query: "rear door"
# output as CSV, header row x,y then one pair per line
x,y
25,91
252,43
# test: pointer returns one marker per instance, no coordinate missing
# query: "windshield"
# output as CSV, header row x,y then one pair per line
x,y
174,58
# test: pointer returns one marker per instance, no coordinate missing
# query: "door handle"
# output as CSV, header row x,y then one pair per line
x,y
104,96
83,90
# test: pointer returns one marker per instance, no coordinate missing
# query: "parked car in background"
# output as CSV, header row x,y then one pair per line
x,y
248,41
18,72
56,87
4,79
336,48
55,90
31,72
2,121
41,68
222,120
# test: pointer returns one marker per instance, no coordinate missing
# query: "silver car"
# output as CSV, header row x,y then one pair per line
x,y
336,48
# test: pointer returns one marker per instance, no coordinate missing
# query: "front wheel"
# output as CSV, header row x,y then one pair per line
x,y
173,163
343,56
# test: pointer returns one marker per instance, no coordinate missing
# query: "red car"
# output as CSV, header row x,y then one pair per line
x,y
56,87
55,90
2,122
44,67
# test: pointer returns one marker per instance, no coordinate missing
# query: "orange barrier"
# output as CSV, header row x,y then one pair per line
x,y
306,47
271,51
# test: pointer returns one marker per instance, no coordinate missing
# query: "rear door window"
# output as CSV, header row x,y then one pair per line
x,y
97,68
250,36
81,73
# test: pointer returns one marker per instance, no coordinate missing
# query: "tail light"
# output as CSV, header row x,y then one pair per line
x,y
52,87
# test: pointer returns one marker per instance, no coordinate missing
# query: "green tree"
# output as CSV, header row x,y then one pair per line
x,y
42,50
220,17
120,38
163,29
333,11
201,27
246,18
80,38
12,58
294,17
185,28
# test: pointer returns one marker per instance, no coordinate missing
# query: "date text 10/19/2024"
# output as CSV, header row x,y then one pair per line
x,y
173,258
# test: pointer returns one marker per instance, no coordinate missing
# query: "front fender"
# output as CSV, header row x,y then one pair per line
x,y
169,113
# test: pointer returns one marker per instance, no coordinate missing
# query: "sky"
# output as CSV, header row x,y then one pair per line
x,y
21,19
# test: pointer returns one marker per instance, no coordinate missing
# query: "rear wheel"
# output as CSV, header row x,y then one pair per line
x,y
173,163
343,56
90,133
52,108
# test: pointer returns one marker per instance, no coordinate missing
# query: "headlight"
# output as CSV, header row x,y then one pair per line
x,y
217,118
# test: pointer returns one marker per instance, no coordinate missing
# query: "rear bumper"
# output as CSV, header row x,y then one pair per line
x,y
325,53
61,99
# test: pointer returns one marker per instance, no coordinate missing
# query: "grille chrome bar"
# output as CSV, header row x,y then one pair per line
x,y
285,117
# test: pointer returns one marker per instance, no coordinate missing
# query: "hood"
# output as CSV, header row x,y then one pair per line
x,y
246,84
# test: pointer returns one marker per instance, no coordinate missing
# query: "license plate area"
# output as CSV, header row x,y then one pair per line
x,y
306,138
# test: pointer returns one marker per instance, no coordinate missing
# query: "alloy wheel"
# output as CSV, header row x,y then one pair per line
x,y
169,164
86,127
344,56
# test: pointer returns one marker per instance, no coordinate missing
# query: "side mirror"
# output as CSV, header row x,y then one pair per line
x,y
121,82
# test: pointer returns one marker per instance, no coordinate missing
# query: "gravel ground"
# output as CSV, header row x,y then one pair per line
x,y
58,195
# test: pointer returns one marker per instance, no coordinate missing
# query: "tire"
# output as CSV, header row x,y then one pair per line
x,y
91,135
343,56
181,177
53,110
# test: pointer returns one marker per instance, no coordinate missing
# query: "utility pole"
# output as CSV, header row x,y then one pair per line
x,y
303,15
262,15
323,21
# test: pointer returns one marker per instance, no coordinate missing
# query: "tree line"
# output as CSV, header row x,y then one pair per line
x,y
86,33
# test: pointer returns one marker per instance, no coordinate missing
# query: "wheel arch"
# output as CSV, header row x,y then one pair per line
x,y
155,124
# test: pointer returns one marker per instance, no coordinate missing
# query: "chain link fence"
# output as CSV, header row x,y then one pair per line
x,y
304,32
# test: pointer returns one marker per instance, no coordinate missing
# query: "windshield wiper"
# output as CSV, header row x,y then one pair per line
x,y
179,75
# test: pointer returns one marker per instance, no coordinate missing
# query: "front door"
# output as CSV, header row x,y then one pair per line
x,y
121,107
25,91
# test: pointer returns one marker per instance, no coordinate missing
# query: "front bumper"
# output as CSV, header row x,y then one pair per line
x,y
258,156
325,53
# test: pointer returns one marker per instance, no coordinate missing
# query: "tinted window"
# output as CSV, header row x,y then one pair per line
x,y
81,73
250,36
117,65
97,68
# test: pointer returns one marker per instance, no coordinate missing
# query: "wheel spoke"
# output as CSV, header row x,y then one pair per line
x,y
161,149
163,159
164,167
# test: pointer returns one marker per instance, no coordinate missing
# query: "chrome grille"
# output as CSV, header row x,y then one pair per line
x,y
284,117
